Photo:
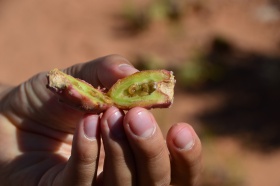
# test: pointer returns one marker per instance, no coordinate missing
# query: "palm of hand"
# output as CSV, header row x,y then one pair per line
x,y
37,134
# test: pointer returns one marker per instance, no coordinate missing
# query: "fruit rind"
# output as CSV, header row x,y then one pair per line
x,y
77,93
160,97
148,89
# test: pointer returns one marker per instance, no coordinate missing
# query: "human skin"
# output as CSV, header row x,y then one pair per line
x,y
44,142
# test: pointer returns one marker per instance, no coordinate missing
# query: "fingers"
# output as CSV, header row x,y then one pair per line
x,y
82,165
148,146
103,71
185,151
136,151
119,163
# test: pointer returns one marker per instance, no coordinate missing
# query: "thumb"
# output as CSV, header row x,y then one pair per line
x,y
104,71
82,166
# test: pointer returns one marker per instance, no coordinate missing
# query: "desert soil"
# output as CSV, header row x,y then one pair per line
x,y
37,35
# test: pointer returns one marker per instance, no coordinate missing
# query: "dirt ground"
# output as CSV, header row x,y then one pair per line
x,y
236,116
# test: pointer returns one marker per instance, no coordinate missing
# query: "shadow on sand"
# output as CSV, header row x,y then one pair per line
x,y
251,83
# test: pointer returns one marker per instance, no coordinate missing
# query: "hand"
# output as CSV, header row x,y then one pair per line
x,y
46,143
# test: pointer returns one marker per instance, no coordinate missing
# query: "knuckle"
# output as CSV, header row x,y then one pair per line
x,y
155,154
164,181
195,158
86,159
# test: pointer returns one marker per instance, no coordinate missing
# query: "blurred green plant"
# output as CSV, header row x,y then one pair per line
x,y
167,9
149,62
194,73
198,71
136,19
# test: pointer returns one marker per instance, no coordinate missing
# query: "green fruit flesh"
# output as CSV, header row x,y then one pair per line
x,y
148,89
142,89
76,92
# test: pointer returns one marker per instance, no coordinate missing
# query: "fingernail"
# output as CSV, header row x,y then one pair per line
x,y
115,124
91,126
142,125
127,68
184,139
